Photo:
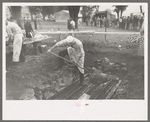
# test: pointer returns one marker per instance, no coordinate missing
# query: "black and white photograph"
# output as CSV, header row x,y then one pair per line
x,y
87,55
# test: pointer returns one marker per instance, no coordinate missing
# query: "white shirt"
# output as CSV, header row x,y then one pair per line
x,y
75,50
72,23
14,28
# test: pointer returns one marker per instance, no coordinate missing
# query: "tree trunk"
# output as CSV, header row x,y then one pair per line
x,y
73,11
16,14
121,13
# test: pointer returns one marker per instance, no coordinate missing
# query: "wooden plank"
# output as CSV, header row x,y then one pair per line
x,y
110,94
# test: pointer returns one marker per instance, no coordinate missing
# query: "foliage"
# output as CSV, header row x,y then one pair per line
x,y
120,9
48,10
88,11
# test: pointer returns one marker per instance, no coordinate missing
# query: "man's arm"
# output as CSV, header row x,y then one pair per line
x,y
66,42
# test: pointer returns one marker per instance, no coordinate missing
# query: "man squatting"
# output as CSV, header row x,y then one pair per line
x,y
75,52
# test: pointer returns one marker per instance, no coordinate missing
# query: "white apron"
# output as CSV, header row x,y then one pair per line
x,y
17,45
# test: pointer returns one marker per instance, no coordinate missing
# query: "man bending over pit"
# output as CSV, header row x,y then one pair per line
x,y
75,51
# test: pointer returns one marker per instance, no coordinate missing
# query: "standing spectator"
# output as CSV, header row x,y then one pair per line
x,y
80,22
134,22
104,21
141,22
15,33
72,24
40,20
87,21
123,23
91,20
35,21
68,24
98,21
128,23
28,29
24,20
120,23
101,22
95,20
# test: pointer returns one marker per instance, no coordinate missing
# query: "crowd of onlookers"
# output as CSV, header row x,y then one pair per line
x,y
37,19
128,23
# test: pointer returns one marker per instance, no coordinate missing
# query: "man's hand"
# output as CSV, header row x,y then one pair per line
x,y
49,50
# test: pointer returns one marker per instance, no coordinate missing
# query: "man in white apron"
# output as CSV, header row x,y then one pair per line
x,y
14,31
75,51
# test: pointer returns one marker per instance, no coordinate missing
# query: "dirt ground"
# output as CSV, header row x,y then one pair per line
x,y
39,68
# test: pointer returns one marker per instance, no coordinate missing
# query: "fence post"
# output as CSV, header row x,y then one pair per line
x,y
105,31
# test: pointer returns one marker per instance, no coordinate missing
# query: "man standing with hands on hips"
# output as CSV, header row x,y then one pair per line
x,y
75,51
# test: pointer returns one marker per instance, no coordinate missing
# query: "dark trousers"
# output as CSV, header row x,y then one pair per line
x,y
22,54
61,62
35,24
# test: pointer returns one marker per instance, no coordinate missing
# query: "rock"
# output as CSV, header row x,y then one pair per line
x,y
95,63
84,97
99,68
59,80
67,80
105,61
96,72
48,94
123,64
62,84
109,67
124,68
28,95
38,93
56,85
44,86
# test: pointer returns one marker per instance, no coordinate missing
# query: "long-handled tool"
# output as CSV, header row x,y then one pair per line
x,y
72,63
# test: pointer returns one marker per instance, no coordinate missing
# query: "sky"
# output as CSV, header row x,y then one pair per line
x,y
129,9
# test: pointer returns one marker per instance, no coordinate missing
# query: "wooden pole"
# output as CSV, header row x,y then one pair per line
x,y
105,30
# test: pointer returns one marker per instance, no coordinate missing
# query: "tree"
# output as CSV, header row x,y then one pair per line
x,y
48,10
141,10
73,11
34,9
117,11
16,14
88,11
120,9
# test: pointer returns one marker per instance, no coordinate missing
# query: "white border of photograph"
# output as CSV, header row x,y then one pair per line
x,y
75,109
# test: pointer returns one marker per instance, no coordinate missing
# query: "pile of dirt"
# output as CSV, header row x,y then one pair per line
x,y
58,81
102,71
